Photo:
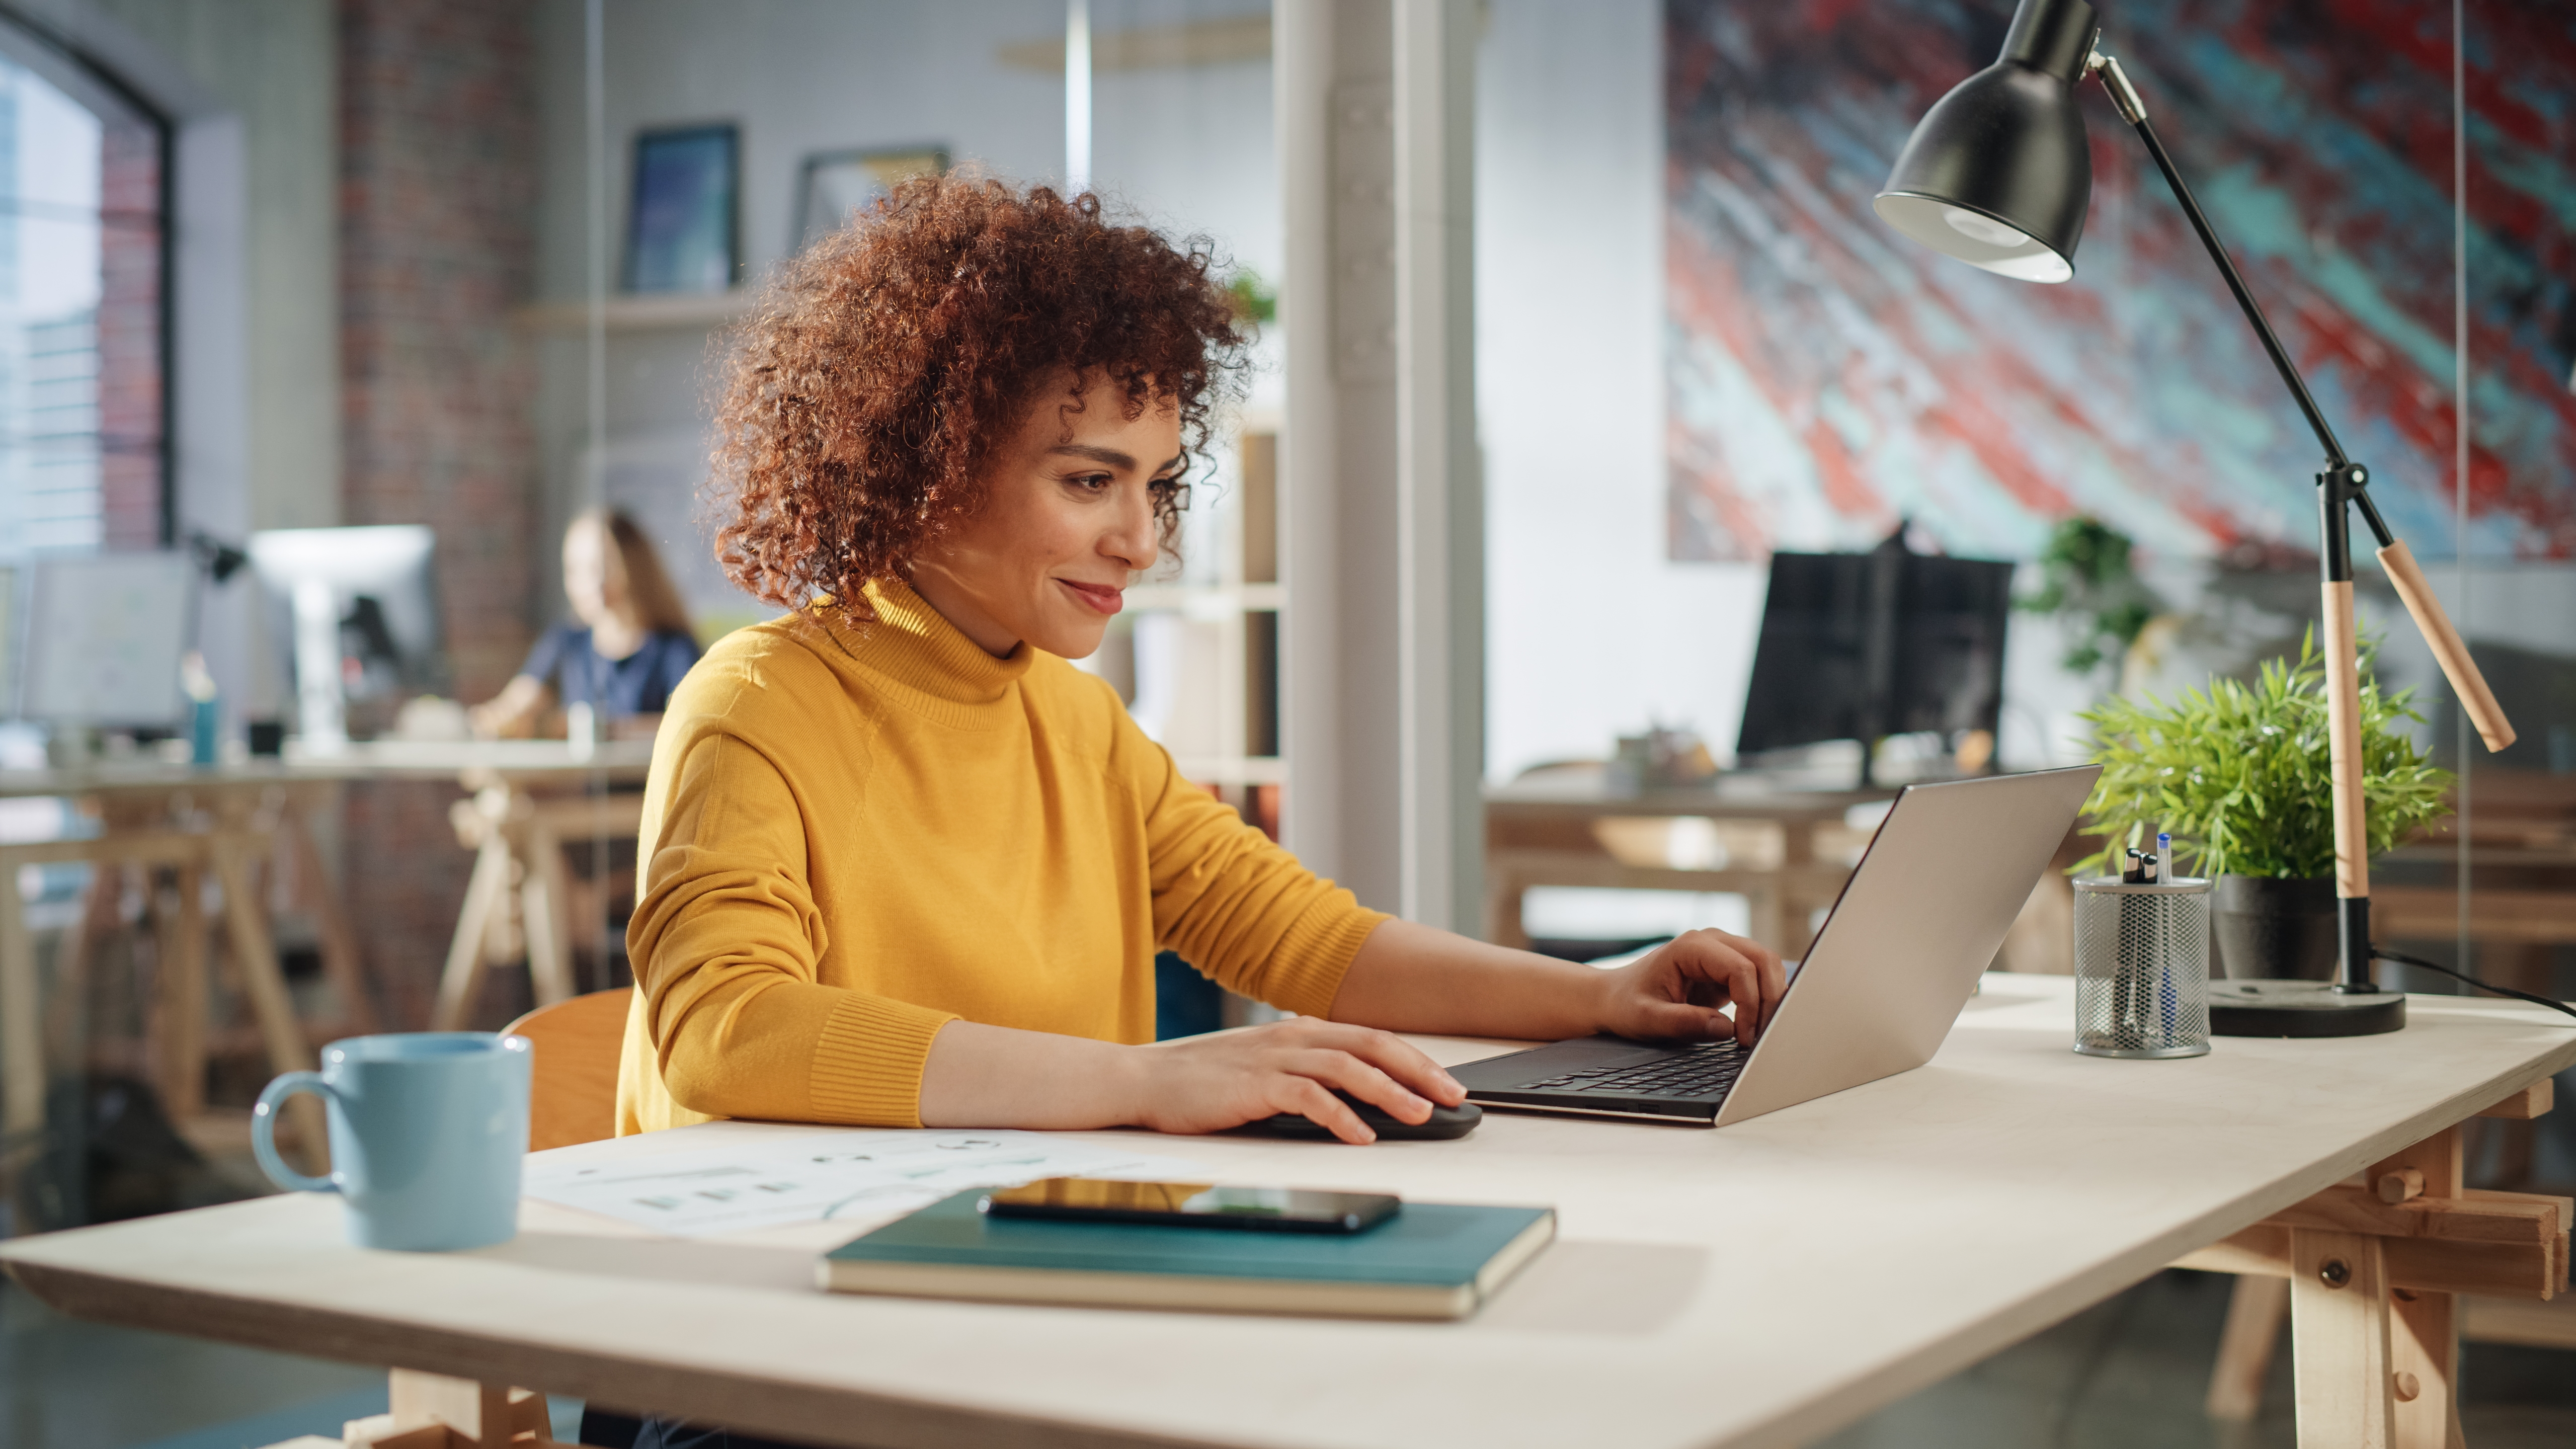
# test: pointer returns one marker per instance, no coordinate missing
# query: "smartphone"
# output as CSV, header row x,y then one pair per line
x,y
1194,1204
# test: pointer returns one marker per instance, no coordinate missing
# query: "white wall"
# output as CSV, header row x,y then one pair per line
x,y
1591,631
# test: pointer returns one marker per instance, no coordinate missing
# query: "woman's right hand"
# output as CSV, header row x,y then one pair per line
x,y
1225,1079
511,711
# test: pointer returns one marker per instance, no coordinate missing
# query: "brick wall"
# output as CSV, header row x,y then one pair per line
x,y
129,337
438,137
438,166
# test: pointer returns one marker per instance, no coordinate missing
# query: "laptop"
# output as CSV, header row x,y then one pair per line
x,y
1898,956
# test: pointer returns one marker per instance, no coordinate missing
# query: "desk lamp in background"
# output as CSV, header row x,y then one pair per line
x,y
1997,175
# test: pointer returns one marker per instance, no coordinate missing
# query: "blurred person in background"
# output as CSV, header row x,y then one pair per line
x,y
626,649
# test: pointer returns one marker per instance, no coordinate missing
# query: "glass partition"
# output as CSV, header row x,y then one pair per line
x,y
691,148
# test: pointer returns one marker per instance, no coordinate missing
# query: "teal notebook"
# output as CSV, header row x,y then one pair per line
x,y
1431,1260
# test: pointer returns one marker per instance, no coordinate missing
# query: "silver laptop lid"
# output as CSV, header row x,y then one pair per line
x,y
1920,918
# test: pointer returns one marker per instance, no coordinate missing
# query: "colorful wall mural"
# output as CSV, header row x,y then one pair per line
x,y
1828,377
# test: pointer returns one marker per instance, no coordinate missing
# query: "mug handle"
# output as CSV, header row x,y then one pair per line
x,y
263,1131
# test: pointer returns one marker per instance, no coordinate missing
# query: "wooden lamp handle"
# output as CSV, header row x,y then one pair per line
x,y
2453,655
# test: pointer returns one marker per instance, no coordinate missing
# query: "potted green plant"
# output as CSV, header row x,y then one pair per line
x,y
2237,775
2090,585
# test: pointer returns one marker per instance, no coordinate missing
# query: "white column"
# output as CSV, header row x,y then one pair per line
x,y
1440,526
1381,534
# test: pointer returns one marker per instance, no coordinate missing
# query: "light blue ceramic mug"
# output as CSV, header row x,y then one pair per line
x,y
427,1132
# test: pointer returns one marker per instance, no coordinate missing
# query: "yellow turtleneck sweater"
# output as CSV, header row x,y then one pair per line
x,y
859,830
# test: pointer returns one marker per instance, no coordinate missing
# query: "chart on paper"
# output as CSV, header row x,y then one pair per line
x,y
819,1176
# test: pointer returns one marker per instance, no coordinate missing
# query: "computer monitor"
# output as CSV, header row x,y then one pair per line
x,y
1859,646
357,612
105,634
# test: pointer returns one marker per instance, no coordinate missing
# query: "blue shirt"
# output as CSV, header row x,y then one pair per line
x,y
640,683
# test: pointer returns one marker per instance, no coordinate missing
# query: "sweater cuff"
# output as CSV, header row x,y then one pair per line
x,y
1315,954
869,1060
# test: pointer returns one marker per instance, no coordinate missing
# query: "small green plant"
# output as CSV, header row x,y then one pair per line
x,y
2238,774
2088,582
1254,299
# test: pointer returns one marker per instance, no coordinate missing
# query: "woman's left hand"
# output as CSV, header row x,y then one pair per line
x,y
1676,991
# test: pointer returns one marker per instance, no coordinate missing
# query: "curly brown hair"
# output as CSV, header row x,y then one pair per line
x,y
883,368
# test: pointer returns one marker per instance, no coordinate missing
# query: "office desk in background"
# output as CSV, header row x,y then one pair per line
x,y
1761,1285
529,799
1787,852
221,822
224,821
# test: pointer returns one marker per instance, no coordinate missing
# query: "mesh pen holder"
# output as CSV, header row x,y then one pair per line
x,y
2142,968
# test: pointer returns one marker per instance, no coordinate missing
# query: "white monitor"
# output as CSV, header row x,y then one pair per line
x,y
358,608
104,636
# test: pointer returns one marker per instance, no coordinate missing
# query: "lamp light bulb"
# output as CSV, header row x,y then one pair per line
x,y
1976,226
2041,265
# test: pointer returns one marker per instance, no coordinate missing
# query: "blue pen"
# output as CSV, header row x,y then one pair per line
x,y
2164,958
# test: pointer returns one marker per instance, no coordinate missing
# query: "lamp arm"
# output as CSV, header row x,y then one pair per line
x,y
2467,684
2124,98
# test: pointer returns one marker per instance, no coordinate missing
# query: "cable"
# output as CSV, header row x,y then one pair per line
x,y
2534,998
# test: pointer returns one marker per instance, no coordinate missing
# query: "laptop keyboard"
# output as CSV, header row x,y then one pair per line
x,y
1701,1072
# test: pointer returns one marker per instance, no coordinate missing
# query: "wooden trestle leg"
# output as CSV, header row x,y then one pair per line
x,y
2375,1268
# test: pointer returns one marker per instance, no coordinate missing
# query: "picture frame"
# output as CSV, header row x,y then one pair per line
x,y
684,210
833,186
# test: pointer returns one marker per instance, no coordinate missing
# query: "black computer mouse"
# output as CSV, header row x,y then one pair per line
x,y
1443,1124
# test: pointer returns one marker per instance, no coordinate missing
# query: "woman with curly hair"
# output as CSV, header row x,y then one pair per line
x,y
903,864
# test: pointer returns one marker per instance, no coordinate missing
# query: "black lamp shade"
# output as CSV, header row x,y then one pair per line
x,y
1997,173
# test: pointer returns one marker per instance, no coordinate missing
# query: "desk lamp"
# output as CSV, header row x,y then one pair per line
x,y
1997,175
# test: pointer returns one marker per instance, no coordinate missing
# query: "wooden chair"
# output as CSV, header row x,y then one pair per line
x,y
574,1095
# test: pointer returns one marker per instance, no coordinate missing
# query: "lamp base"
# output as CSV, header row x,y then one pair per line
x,y
2301,1008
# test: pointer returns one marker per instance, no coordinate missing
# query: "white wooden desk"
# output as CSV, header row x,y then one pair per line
x,y
1760,1285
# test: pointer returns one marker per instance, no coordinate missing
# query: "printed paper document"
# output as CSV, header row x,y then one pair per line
x,y
816,1176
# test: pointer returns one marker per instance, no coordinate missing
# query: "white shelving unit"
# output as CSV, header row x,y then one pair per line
x,y
1197,657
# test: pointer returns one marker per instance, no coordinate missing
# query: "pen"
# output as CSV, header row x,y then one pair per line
x,y
2164,957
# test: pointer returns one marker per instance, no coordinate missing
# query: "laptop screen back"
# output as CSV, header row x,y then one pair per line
x,y
1922,916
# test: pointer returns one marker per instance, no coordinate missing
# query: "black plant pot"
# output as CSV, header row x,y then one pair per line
x,y
2272,929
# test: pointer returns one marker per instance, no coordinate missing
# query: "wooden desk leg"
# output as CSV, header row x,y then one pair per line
x,y
1503,911
255,954
483,1415
182,1000
543,911
246,928
1777,915
2424,1350
2339,1340
2245,1345
97,921
2424,1338
1766,921
485,893
340,960
22,1036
